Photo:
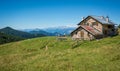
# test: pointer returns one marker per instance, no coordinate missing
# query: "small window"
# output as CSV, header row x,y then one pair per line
x,y
87,24
113,29
109,26
95,23
88,34
91,25
75,32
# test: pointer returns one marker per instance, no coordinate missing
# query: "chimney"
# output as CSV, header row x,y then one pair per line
x,y
107,18
101,17
83,18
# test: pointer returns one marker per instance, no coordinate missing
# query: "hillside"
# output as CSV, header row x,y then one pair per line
x,y
21,34
4,38
66,55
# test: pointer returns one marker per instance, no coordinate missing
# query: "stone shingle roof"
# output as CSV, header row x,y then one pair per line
x,y
89,29
102,19
92,30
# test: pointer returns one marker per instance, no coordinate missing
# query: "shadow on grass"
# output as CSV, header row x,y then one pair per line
x,y
76,44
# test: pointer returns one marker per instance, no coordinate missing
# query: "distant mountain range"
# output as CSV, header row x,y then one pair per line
x,y
60,30
40,31
51,31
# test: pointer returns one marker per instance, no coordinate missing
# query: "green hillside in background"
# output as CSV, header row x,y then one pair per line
x,y
50,54
5,38
21,34
9,34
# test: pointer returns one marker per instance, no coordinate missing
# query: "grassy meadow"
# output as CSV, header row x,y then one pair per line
x,y
50,54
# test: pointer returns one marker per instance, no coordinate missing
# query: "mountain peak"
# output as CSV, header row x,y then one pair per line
x,y
8,28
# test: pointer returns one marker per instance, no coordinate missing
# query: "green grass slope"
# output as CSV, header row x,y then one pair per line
x,y
67,55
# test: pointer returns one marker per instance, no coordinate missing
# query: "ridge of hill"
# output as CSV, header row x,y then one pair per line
x,y
50,54
17,33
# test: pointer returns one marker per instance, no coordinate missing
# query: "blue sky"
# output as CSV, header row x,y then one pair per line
x,y
26,14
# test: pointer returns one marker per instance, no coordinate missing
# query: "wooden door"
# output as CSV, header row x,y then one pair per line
x,y
82,34
105,32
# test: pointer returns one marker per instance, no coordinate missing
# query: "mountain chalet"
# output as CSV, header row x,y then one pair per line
x,y
94,27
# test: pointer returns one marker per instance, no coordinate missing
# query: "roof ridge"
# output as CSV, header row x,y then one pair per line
x,y
96,15
102,20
